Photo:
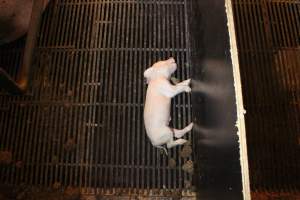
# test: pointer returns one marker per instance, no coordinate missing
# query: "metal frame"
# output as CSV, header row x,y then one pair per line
x,y
20,85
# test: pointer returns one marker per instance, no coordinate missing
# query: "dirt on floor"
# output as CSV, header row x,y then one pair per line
x,y
5,157
186,151
172,163
37,193
72,193
188,167
70,145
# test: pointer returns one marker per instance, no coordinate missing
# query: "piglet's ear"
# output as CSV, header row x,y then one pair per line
x,y
171,60
147,74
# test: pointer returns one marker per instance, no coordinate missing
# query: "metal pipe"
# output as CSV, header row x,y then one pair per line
x,y
20,85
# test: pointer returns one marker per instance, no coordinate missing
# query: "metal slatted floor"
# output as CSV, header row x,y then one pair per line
x,y
81,121
268,43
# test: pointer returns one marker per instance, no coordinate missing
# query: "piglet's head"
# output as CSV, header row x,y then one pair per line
x,y
161,69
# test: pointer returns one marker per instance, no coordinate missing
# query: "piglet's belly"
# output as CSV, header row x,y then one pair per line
x,y
156,112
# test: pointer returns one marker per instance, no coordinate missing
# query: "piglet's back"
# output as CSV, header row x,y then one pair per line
x,y
157,108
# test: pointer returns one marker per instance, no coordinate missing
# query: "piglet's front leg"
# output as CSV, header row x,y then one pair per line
x,y
172,90
184,83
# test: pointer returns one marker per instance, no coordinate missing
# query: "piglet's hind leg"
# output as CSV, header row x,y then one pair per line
x,y
164,136
173,143
182,132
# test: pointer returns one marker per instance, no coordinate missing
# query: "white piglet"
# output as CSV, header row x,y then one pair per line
x,y
158,104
